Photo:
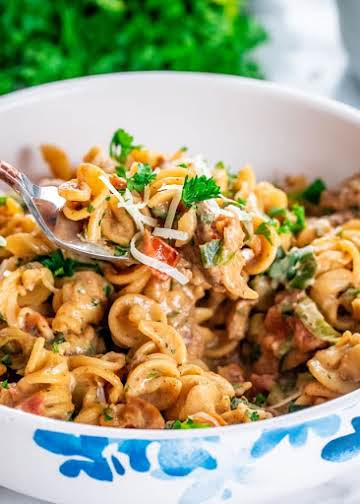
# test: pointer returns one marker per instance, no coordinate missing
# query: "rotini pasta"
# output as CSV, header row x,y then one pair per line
x,y
234,301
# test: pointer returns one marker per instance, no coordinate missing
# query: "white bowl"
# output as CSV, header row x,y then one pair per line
x,y
228,118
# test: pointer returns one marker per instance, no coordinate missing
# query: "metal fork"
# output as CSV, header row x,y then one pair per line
x,y
45,204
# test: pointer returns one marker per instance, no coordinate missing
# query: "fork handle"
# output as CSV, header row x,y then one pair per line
x,y
11,176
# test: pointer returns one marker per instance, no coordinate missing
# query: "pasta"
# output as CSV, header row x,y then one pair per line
x,y
232,301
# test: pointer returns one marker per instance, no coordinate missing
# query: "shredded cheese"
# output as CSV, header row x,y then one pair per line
x,y
154,263
171,234
129,205
247,254
216,210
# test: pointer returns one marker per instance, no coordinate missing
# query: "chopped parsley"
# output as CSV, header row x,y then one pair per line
x,y
295,269
3,200
107,414
64,267
199,189
312,193
296,407
183,165
59,338
7,360
121,145
183,148
186,424
254,416
264,229
5,384
143,177
121,251
90,208
260,399
121,171
107,290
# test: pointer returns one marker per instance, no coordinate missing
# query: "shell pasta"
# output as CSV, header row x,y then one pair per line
x,y
231,300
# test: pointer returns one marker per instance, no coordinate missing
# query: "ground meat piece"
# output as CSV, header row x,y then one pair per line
x,y
261,383
345,197
232,373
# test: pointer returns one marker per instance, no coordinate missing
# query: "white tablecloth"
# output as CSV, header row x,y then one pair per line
x,y
305,52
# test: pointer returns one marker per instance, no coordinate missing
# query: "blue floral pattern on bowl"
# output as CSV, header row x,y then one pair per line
x,y
102,458
344,448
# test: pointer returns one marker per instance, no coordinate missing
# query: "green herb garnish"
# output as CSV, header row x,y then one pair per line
x,y
296,269
264,229
59,338
121,145
260,400
186,424
90,208
254,416
296,407
107,290
5,384
121,171
143,177
3,200
199,189
121,251
107,414
64,267
7,360
312,193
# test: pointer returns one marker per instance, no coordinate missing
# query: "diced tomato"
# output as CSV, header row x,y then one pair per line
x,y
158,249
275,323
33,404
117,182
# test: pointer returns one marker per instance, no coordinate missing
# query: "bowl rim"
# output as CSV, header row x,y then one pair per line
x,y
317,103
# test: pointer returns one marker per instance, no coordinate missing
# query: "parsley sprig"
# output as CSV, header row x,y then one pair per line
x,y
143,177
312,193
64,267
199,189
121,145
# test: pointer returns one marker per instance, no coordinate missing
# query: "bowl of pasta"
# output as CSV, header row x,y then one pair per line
x,y
230,307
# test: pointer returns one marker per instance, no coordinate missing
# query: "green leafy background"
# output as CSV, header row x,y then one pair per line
x,y
47,40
